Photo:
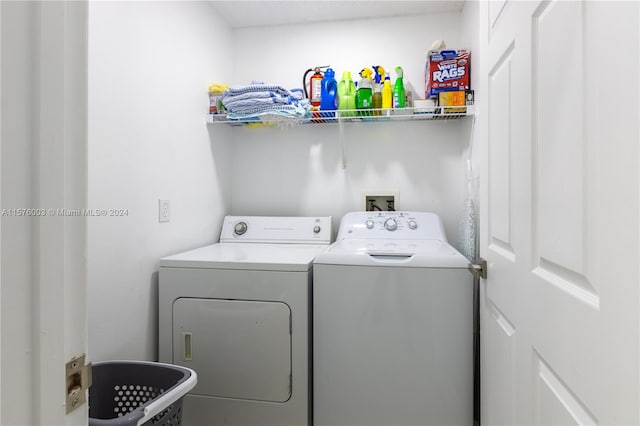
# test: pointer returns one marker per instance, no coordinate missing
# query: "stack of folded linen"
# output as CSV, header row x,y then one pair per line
x,y
257,101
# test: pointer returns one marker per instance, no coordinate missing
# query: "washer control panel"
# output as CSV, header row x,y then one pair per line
x,y
397,225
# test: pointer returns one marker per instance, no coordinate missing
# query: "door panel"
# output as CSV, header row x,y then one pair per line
x,y
499,155
558,137
239,348
495,10
498,388
556,404
560,308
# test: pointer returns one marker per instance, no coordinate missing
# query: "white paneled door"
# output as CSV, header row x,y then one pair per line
x,y
559,315
43,198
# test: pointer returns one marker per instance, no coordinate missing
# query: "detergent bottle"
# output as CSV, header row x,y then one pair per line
x,y
387,93
364,93
329,90
399,94
347,95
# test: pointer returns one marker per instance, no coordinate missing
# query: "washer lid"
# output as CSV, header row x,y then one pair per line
x,y
385,252
248,256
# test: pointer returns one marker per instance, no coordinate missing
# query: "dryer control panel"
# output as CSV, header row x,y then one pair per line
x,y
276,229
396,225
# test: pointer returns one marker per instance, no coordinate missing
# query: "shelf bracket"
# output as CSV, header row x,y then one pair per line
x,y
343,159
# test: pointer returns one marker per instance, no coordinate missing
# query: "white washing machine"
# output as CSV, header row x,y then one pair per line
x,y
392,325
238,313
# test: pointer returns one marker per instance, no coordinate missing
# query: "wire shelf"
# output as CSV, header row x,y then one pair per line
x,y
351,116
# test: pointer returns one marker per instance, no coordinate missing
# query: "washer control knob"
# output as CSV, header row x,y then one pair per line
x,y
391,224
369,224
240,228
316,229
412,224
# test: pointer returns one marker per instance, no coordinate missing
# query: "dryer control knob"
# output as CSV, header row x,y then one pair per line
x,y
316,229
240,228
369,224
391,224
412,224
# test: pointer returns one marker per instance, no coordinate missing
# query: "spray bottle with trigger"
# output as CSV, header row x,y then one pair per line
x,y
377,89
399,94
364,94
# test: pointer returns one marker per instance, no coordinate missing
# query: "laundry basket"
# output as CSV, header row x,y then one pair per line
x,y
134,393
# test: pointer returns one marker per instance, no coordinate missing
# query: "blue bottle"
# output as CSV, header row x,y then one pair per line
x,y
328,93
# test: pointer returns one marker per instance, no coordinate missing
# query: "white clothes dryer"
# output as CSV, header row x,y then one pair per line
x,y
392,324
238,313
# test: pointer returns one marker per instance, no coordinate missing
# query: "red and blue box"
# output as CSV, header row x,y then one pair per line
x,y
446,71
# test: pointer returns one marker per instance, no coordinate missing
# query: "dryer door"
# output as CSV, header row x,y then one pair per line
x,y
239,348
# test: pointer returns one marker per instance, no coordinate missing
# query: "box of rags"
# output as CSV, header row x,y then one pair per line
x,y
447,70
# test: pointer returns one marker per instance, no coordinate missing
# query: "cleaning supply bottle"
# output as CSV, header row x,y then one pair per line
x,y
399,95
379,76
329,93
347,95
215,98
364,93
387,93
376,100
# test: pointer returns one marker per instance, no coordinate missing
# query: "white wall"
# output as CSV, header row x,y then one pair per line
x,y
281,54
299,172
149,67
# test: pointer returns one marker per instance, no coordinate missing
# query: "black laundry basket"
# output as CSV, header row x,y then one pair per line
x,y
130,393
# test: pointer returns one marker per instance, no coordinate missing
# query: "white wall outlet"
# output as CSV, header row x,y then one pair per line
x,y
381,200
164,212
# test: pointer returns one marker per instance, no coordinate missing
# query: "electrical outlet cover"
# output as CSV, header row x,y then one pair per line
x,y
164,212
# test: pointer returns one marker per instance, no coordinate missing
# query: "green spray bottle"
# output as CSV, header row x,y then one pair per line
x,y
364,93
399,94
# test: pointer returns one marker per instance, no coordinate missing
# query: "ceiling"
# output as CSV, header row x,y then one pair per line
x,y
241,13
